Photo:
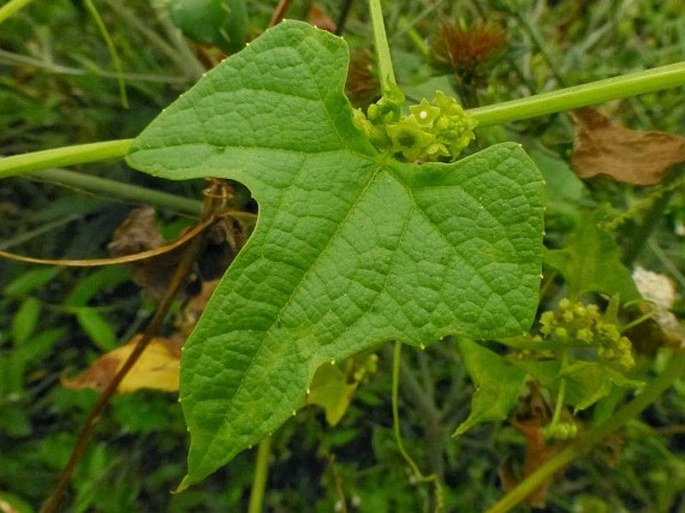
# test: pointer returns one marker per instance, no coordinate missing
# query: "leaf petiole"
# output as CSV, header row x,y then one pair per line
x,y
385,69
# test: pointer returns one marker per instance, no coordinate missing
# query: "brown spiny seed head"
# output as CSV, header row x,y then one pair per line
x,y
465,51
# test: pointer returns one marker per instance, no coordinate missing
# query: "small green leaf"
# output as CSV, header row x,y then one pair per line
x,y
31,280
14,421
12,372
15,504
39,345
332,389
98,329
25,320
351,248
96,282
499,383
591,262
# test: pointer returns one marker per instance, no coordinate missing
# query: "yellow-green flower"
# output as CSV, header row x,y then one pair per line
x,y
409,138
425,113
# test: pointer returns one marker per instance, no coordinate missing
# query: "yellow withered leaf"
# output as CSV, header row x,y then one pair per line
x,y
157,368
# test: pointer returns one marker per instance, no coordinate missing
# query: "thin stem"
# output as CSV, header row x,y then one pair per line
x,y
558,407
341,504
11,7
539,43
418,41
280,12
184,60
631,84
342,17
125,259
64,156
15,59
112,50
385,69
418,475
118,191
260,474
673,371
667,262
395,410
37,232
189,256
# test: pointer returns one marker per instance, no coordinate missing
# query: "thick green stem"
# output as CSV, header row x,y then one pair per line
x,y
260,474
623,86
674,370
641,82
118,191
385,69
65,156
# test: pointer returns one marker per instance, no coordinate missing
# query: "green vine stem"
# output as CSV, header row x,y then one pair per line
x,y
260,475
385,69
116,61
655,79
418,475
64,156
631,84
674,370
119,191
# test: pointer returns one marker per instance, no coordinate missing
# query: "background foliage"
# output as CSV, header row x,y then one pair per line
x,y
58,87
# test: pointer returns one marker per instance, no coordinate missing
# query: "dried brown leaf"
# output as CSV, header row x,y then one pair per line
x,y
603,146
140,232
157,367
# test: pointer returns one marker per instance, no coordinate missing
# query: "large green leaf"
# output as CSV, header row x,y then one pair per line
x,y
352,248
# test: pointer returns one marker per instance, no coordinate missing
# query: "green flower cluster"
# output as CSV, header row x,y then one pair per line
x,y
437,130
579,325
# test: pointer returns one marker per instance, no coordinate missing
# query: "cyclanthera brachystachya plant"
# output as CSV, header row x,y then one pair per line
x,y
353,247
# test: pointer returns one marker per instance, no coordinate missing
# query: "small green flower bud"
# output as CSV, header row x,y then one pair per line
x,y
585,335
561,334
547,322
592,311
609,331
